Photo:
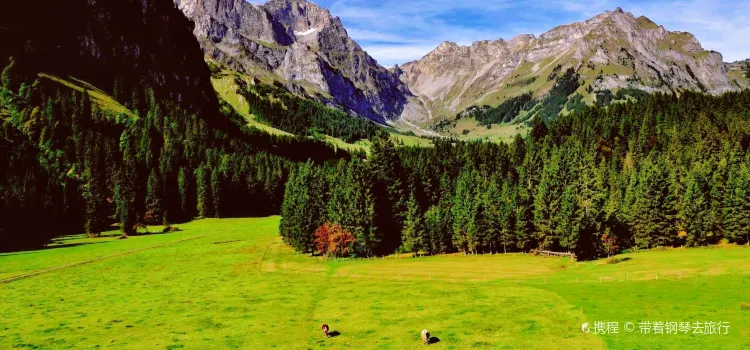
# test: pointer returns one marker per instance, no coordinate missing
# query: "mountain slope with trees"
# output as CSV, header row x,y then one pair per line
x,y
109,117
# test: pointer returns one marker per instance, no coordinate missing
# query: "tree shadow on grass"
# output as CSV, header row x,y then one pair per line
x,y
334,334
617,260
141,234
55,246
433,340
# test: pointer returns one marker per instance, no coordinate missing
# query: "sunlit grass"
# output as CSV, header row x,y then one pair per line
x,y
98,97
244,288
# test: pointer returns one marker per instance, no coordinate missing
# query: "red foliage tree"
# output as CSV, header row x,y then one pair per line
x,y
610,244
322,238
333,240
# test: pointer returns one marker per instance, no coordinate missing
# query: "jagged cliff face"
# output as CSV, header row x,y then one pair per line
x,y
610,51
304,47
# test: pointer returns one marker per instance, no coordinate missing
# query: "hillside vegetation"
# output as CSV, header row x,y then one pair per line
x,y
99,132
661,171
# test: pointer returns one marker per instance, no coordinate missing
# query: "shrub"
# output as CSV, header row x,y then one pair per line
x,y
610,244
615,260
169,228
333,240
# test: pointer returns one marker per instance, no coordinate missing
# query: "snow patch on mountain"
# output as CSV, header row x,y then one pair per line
x,y
307,32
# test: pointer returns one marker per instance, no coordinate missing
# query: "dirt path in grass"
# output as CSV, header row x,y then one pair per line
x,y
78,263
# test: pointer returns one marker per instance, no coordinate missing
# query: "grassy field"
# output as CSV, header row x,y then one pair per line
x,y
234,284
497,133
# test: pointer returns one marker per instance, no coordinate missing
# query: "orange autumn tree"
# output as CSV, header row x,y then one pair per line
x,y
333,240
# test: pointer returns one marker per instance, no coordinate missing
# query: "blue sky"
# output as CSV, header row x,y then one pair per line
x,y
398,31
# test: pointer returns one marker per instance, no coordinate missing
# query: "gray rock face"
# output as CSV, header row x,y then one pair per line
x,y
303,45
610,51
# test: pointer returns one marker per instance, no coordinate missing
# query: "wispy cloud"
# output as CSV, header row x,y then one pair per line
x,y
397,31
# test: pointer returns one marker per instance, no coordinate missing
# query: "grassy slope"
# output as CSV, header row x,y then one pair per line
x,y
226,89
409,140
246,289
498,133
99,97
738,77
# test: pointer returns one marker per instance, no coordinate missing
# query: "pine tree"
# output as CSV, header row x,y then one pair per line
x,y
154,194
653,215
216,192
736,208
462,210
696,214
387,179
492,220
352,206
304,208
95,173
524,214
205,200
413,234
126,186
568,220
433,226
593,201
547,202
475,229
507,219
183,183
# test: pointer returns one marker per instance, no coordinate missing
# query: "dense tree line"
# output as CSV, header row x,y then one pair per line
x,y
605,97
73,161
662,171
505,112
283,110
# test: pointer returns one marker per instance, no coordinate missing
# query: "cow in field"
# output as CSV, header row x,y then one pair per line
x,y
425,337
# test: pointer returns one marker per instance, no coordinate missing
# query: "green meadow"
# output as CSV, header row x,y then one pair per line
x,y
233,284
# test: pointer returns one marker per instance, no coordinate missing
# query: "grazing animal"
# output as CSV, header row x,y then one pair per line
x,y
426,337
325,330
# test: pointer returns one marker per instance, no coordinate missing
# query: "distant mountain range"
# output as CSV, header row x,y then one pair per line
x,y
303,47
613,50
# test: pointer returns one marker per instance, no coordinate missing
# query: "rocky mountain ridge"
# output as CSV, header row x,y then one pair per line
x,y
613,50
302,46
